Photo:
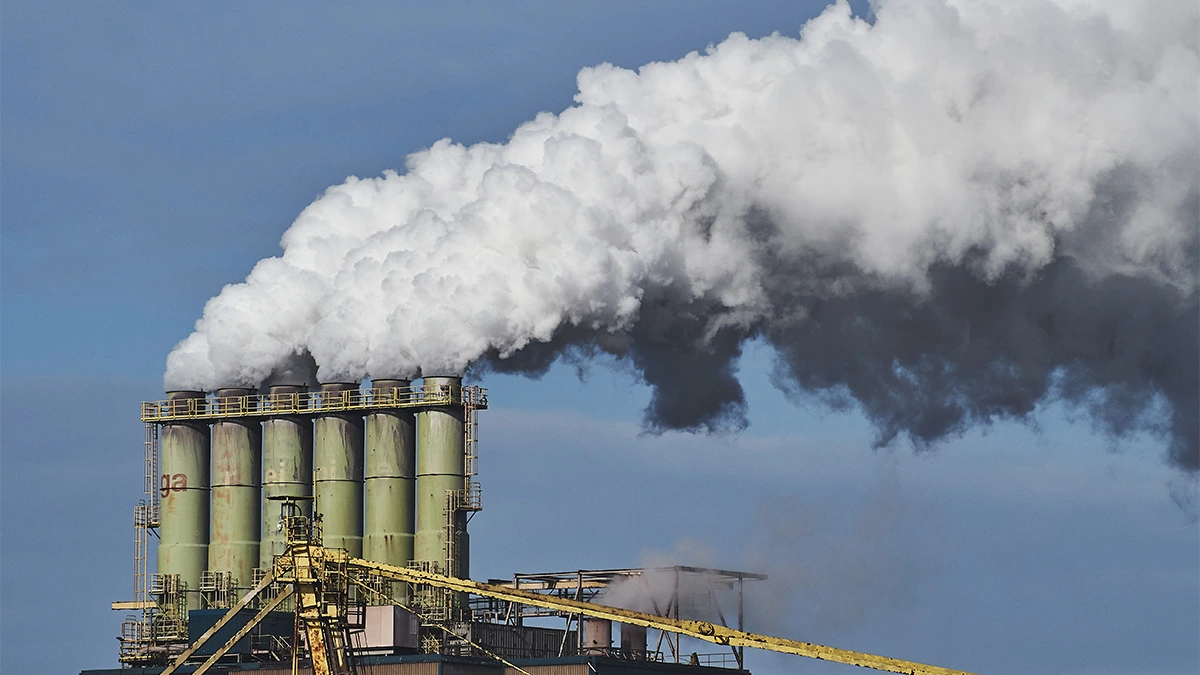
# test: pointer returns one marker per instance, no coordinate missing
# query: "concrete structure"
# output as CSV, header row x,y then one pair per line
x,y
236,492
389,490
184,493
287,469
338,469
441,469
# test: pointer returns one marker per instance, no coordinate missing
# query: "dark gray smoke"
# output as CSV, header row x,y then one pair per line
x,y
973,352
966,352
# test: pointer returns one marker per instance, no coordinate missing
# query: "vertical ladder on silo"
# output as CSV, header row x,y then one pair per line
x,y
139,634
140,554
470,498
136,633
470,443
151,487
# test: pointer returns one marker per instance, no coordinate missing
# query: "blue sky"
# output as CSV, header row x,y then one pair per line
x,y
152,154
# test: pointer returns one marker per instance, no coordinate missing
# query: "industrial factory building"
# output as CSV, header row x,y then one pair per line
x,y
325,531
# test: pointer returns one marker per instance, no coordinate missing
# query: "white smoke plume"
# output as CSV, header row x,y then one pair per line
x,y
942,216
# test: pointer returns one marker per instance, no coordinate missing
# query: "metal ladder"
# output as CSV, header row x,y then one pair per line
x,y
151,487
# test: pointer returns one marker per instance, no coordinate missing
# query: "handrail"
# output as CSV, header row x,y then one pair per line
x,y
312,403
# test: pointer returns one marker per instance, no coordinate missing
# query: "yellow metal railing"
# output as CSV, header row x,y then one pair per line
x,y
312,403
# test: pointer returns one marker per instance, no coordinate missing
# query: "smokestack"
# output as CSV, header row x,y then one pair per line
x,y
236,490
287,468
184,488
441,469
389,488
338,470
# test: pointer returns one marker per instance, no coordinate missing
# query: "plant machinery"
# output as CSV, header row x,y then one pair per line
x,y
320,579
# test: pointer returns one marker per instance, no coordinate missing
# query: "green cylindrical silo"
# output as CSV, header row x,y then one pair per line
x,y
441,468
389,486
287,468
338,471
236,490
184,492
